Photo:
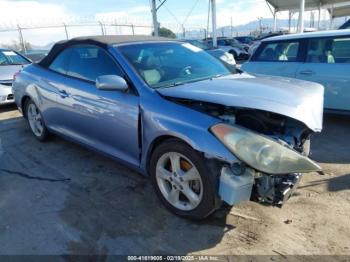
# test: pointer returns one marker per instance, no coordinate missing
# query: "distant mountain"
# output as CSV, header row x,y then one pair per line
x,y
267,26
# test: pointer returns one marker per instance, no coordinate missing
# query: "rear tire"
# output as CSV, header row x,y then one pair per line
x,y
182,180
35,121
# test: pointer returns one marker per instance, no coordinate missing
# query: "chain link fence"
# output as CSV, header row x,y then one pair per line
x,y
23,38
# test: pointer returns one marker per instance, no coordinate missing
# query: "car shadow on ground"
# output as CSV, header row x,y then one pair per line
x,y
339,183
7,108
120,214
332,144
334,184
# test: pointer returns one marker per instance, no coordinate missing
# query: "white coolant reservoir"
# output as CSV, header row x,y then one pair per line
x,y
234,189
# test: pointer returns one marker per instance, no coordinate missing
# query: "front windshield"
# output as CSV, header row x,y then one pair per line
x,y
166,64
8,57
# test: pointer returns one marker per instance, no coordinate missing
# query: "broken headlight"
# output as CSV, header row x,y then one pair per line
x,y
262,153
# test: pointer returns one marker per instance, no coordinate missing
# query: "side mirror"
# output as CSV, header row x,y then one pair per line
x,y
111,82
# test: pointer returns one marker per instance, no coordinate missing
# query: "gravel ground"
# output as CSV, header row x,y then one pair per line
x,y
60,198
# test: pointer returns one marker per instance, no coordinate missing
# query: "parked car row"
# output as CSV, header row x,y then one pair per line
x,y
226,58
320,57
203,133
232,46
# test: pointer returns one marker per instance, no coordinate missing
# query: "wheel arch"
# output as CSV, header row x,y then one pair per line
x,y
156,142
24,100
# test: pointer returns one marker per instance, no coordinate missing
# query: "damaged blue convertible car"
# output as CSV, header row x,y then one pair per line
x,y
204,134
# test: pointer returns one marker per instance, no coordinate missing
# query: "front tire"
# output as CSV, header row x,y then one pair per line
x,y
182,181
36,121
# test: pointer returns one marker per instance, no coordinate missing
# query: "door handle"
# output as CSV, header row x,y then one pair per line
x,y
63,93
307,72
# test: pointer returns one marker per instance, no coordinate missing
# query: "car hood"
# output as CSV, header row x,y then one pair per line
x,y
297,99
7,71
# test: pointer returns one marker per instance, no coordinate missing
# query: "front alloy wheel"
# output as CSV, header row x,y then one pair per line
x,y
179,181
182,180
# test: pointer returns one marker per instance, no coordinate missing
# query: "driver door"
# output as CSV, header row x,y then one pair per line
x,y
103,119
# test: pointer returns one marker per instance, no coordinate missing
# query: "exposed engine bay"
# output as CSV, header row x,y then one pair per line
x,y
280,127
265,188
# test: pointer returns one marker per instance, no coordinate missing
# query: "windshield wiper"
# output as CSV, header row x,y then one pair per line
x,y
173,84
191,81
219,75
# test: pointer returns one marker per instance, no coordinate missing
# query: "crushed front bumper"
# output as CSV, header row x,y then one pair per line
x,y
275,190
248,184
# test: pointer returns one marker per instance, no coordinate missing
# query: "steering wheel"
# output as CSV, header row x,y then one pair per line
x,y
186,71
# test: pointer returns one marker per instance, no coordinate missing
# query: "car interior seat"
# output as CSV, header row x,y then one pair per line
x,y
280,53
148,69
314,54
292,52
328,52
269,54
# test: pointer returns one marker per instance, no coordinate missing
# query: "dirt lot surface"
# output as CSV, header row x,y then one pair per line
x,y
60,198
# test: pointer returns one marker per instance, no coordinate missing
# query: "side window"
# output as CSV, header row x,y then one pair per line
x,y
90,62
222,42
329,50
279,52
341,50
60,63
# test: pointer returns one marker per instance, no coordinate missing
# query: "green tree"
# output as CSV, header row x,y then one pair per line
x,y
165,32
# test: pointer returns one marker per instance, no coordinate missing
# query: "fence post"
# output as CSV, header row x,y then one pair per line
x,y
132,28
65,30
102,31
21,40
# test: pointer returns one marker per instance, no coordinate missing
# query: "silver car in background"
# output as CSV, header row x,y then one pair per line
x,y
320,57
232,46
10,63
224,57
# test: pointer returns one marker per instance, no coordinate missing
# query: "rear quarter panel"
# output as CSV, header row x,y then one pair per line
x,y
31,83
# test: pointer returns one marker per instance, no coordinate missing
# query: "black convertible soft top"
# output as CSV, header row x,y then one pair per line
x,y
99,40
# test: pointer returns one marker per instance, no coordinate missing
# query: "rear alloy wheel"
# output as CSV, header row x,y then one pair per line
x,y
35,121
181,180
